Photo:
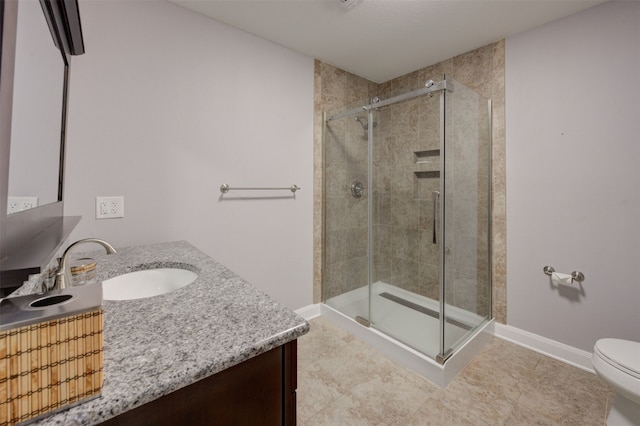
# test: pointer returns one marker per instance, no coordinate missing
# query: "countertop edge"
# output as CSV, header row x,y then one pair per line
x,y
279,340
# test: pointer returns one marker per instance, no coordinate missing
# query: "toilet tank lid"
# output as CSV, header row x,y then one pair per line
x,y
624,353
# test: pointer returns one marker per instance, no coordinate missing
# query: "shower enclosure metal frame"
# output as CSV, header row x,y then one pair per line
x,y
439,201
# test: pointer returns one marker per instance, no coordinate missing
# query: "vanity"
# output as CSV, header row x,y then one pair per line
x,y
216,351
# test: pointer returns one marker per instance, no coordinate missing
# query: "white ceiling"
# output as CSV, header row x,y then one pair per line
x,y
384,39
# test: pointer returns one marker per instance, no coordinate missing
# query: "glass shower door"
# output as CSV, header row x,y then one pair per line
x,y
466,302
406,174
346,230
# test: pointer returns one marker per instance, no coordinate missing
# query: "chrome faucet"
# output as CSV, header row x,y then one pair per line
x,y
63,274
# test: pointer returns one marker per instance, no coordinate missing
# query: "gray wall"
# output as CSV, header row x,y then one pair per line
x,y
167,105
573,194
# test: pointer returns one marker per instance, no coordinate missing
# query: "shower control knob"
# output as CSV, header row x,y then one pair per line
x,y
357,188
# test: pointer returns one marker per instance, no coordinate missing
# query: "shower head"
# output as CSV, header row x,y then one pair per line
x,y
364,123
348,4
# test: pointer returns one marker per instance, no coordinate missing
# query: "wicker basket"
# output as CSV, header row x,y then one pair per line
x,y
51,365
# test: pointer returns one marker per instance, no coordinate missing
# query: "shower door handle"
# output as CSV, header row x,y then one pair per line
x,y
436,197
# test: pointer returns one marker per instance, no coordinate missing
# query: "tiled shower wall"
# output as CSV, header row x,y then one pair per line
x,y
346,157
346,225
481,70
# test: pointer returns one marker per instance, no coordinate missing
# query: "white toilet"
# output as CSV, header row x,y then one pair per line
x,y
617,363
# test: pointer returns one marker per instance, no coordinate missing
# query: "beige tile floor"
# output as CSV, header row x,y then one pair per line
x,y
343,381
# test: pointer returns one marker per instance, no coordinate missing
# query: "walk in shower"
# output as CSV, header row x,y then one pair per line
x,y
407,216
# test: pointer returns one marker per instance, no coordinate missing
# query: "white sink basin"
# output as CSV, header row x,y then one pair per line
x,y
146,283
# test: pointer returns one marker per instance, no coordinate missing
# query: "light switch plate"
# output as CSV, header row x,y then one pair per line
x,y
109,207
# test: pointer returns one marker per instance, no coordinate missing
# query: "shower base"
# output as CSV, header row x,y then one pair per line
x,y
411,318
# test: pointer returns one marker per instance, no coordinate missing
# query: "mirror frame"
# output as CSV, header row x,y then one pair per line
x,y
29,239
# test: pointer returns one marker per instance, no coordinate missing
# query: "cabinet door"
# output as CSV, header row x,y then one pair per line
x,y
259,391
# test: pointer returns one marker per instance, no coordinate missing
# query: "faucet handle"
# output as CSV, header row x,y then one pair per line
x,y
63,275
48,283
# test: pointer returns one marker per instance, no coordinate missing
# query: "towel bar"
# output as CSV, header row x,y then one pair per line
x,y
224,188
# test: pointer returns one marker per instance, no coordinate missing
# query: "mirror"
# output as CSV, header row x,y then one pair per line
x,y
30,238
37,113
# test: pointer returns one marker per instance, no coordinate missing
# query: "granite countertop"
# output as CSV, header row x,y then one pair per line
x,y
157,345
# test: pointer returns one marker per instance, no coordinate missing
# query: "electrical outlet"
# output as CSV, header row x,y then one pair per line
x,y
18,204
12,207
109,207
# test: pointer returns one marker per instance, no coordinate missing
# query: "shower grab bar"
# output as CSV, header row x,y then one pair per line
x,y
224,188
436,196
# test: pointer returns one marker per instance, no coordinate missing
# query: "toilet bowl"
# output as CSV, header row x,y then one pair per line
x,y
617,363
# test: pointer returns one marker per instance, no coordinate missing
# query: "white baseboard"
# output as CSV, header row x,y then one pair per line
x,y
309,312
556,350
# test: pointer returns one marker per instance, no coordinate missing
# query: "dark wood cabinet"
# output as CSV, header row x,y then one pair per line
x,y
259,391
